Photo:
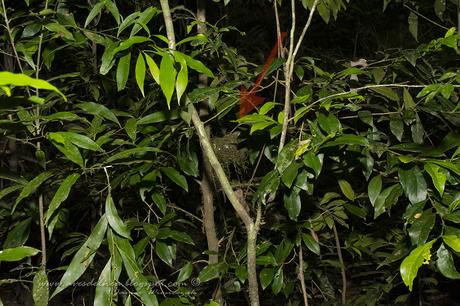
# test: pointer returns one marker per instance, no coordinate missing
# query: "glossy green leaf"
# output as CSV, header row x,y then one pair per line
x,y
290,174
80,141
18,79
176,177
210,272
311,243
123,71
140,73
347,190
292,204
185,272
98,110
64,145
421,228
40,290
408,100
445,263
61,195
413,184
374,188
131,128
329,123
314,162
453,241
138,280
188,162
386,198
439,177
386,92
397,128
114,219
266,276
167,77
31,187
129,20
17,253
412,263
278,281
182,76
18,235
129,152
144,18
96,10
83,258
112,8
197,65
164,252
154,70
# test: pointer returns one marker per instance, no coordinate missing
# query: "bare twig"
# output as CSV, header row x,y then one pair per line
x,y
342,265
302,277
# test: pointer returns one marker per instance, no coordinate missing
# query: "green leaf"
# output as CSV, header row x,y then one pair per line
x,y
413,25
290,174
140,283
182,76
268,186
386,92
129,152
114,220
144,18
111,51
347,139
188,162
131,128
160,201
409,103
311,243
123,71
413,184
167,77
374,188
445,263
286,156
60,30
96,10
112,8
411,264
61,195
292,204
266,276
314,162
278,281
439,8
67,148
164,252
439,177
129,20
18,253
185,272
19,79
83,258
104,288
80,141
31,187
140,73
452,241
387,198
421,228
397,128
176,177
18,235
154,70
329,123
196,65
40,291
98,110
210,272
347,190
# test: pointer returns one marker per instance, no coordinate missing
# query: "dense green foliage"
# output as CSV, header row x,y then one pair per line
x,y
98,149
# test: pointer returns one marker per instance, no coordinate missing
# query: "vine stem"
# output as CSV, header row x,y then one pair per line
x,y
289,67
208,151
342,265
302,277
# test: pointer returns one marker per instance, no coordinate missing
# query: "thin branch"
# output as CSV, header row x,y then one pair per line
x,y
302,277
426,18
342,265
